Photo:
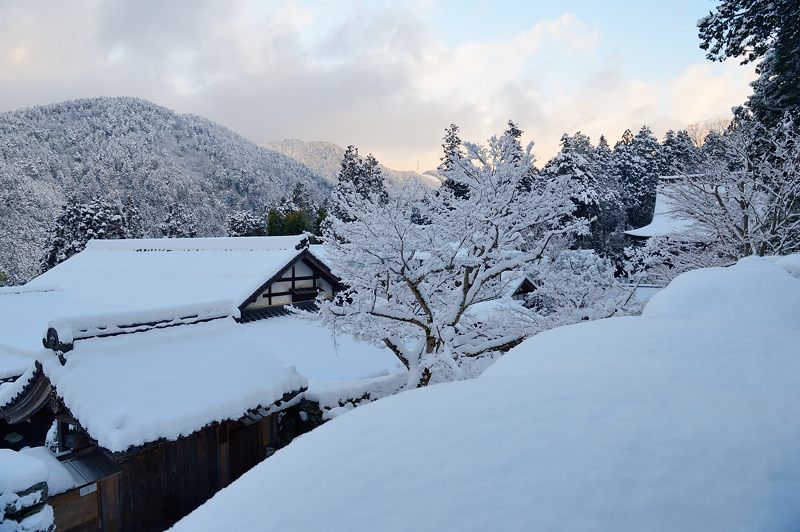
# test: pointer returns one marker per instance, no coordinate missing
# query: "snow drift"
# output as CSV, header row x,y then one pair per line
x,y
682,419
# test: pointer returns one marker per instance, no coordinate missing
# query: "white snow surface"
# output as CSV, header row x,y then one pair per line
x,y
111,279
666,222
319,354
684,418
18,471
144,273
59,479
167,383
11,389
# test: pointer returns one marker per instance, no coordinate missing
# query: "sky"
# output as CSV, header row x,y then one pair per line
x,y
386,76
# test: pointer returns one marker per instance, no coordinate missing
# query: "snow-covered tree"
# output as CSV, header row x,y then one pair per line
x,y
302,201
77,223
452,153
245,223
578,285
358,178
746,199
179,223
596,195
636,165
133,219
663,258
436,294
764,32
295,215
678,154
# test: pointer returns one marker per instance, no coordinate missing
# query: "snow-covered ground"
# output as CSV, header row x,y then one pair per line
x,y
684,418
21,501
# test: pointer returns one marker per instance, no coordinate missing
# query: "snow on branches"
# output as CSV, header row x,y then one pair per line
x,y
428,271
746,199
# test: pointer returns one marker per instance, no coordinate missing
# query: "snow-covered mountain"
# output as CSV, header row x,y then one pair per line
x,y
325,159
133,149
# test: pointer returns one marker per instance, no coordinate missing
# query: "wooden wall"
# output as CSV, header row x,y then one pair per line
x,y
165,482
93,507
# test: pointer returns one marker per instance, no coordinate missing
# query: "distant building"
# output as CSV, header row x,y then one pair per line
x,y
667,220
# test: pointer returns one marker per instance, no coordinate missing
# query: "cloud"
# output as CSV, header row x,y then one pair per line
x,y
372,74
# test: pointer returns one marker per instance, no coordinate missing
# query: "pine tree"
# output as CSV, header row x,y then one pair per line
x,y
275,222
756,30
77,223
452,149
636,165
301,198
133,219
678,154
515,134
245,223
595,201
179,223
361,176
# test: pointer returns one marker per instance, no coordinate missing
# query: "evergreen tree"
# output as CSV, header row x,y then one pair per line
x,y
361,176
133,219
296,223
596,200
179,223
678,154
301,200
452,149
77,223
275,219
756,30
245,223
515,134
636,165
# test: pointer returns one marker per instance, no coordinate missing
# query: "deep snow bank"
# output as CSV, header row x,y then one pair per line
x,y
685,418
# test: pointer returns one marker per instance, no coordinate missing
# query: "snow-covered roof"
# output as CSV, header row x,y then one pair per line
x,y
121,276
317,353
146,273
666,220
132,389
680,419
59,478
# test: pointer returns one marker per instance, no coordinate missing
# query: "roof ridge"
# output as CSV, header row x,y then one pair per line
x,y
63,332
252,243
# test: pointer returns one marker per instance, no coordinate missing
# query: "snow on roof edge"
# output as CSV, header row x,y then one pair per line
x,y
70,328
198,244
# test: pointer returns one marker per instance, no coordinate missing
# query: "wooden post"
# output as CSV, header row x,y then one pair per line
x,y
109,504
223,456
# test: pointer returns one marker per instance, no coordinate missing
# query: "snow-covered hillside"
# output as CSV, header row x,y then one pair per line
x,y
135,149
325,158
684,418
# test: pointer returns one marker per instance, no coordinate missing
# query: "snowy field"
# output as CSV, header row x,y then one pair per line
x,y
684,418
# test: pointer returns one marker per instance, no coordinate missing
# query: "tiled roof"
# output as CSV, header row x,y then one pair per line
x,y
250,315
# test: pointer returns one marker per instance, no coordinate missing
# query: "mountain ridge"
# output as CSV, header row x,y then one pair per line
x,y
131,149
324,158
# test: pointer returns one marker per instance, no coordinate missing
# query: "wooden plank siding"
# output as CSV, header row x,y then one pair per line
x,y
73,512
248,445
110,518
160,484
